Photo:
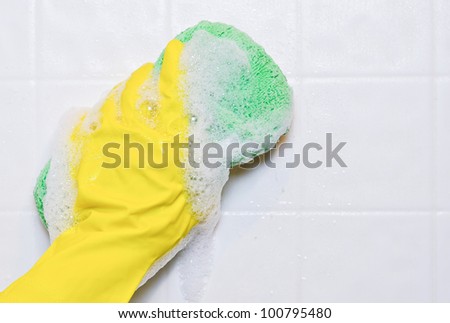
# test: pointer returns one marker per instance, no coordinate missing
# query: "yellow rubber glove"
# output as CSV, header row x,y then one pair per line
x,y
125,222
127,217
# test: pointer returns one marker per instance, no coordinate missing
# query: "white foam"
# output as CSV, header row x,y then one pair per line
x,y
59,200
61,192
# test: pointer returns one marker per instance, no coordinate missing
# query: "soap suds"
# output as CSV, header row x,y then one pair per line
x,y
61,191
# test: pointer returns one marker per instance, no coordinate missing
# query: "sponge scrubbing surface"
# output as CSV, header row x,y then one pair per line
x,y
254,101
231,91
243,106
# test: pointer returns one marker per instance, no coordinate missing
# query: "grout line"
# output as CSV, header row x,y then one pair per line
x,y
434,136
291,78
299,50
35,114
26,80
61,81
366,76
168,18
85,81
33,40
327,213
298,77
301,79
117,79
34,79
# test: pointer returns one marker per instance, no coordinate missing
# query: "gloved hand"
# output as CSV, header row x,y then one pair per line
x,y
127,217
128,220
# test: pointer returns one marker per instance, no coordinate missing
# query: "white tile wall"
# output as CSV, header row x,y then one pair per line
x,y
443,144
374,73
443,260
16,32
70,37
24,241
389,163
18,142
442,41
353,37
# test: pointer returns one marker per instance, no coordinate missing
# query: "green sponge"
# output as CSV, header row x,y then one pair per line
x,y
256,102
39,192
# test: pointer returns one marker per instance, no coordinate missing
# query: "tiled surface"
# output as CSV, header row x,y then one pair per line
x,y
389,164
352,261
443,260
97,39
443,135
322,257
16,39
376,74
23,238
18,142
442,44
354,37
